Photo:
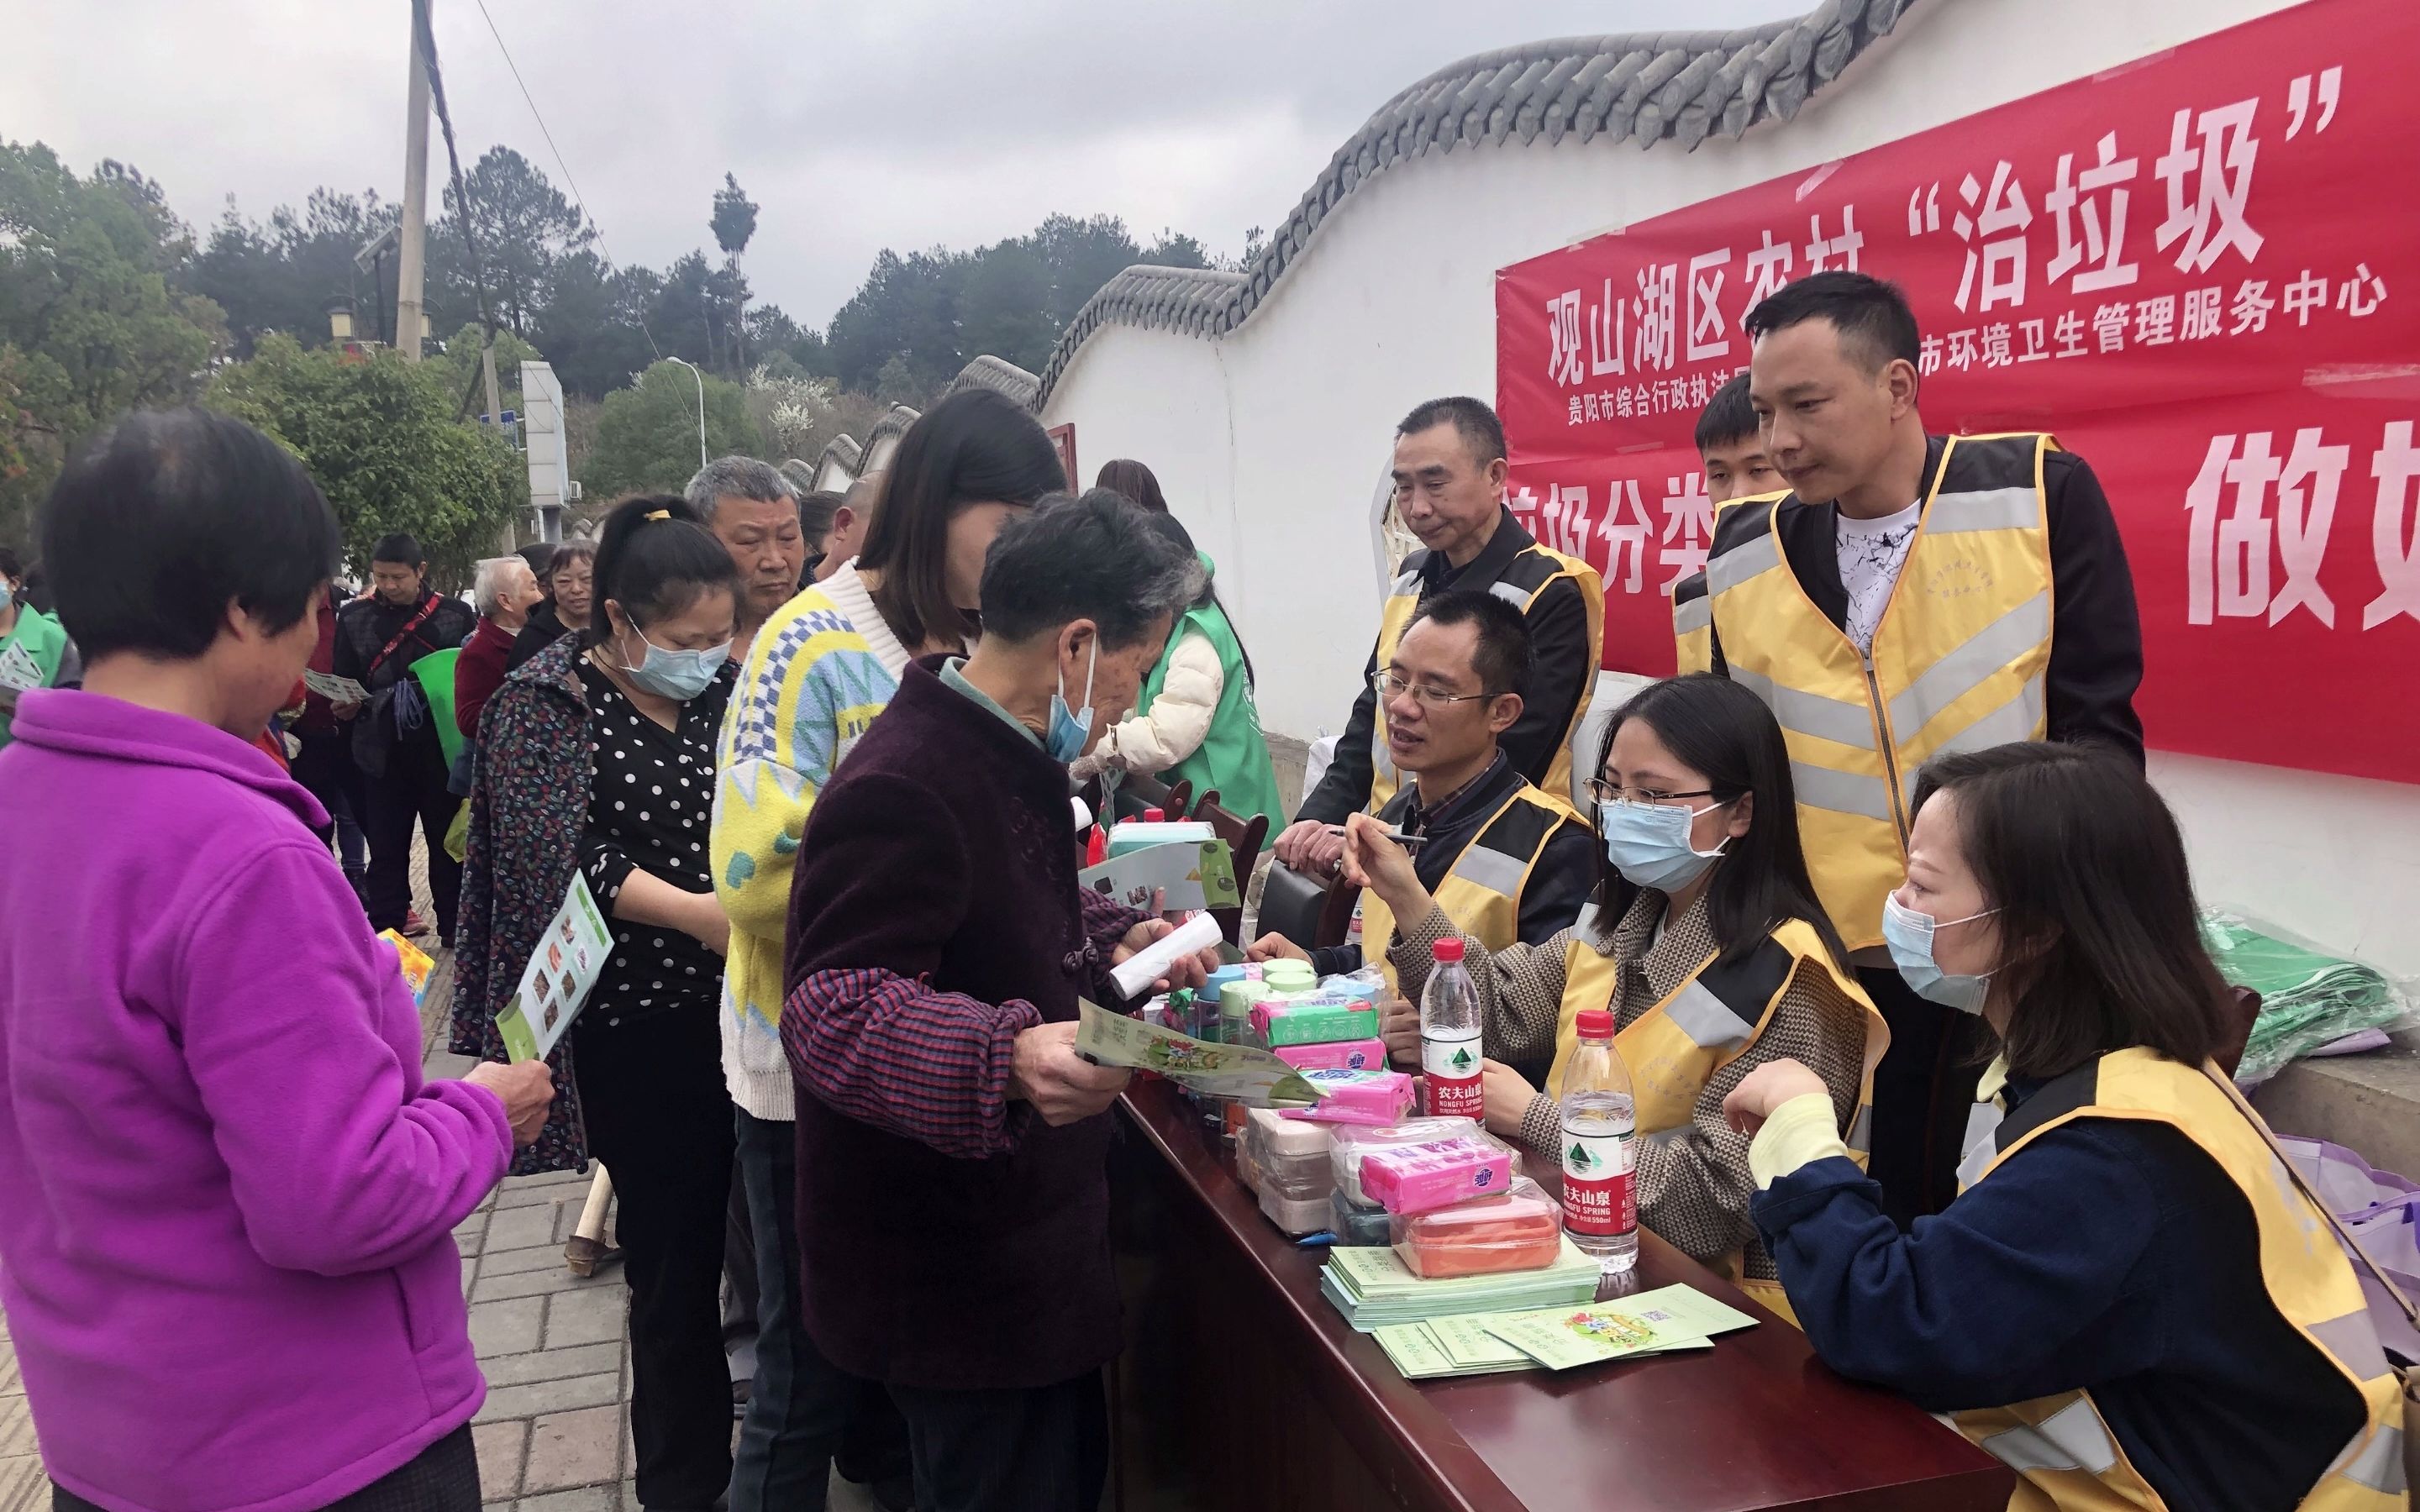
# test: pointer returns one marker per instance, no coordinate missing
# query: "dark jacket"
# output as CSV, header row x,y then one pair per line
x,y
949,1238
2096,635
1557,887
1564,670
2111,1255
363,629
478,672
545,627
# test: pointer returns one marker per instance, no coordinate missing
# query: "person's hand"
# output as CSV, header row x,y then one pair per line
x,y
1189,971
343,711
1373,861
1044,1070
708,924
1765,1089
527,1089
1506,1095
1276,947
1311,848
1399,1026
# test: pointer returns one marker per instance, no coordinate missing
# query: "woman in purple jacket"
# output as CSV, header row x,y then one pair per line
x,y
227,1194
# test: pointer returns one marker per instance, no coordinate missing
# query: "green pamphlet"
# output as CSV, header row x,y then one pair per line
x,y
1253,1077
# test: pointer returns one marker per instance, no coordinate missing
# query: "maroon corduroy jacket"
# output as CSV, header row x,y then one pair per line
x,y
949,1238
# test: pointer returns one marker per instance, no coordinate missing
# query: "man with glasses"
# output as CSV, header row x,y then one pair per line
x,y
1506,862
1449,474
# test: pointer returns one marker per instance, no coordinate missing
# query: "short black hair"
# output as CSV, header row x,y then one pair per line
x,y
1475,417
400,546
160,524
1502,658
1727,417
655,558
1098,557
10,567
540,556
1862,308
815,511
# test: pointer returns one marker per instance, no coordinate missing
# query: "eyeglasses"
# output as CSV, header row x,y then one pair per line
x,y
1388,685
1604,792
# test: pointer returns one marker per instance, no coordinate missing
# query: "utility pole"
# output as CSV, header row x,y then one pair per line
x,y
415,202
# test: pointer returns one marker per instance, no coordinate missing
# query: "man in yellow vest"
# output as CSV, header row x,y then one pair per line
x,y
1505,861
1449,469
1911,595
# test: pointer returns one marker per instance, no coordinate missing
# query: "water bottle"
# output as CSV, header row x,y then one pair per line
x,y
1599,1148
1449,1049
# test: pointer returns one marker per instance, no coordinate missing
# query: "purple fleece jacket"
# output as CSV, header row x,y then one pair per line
x,y
227,1196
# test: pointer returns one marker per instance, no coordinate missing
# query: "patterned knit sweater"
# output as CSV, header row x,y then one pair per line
x,y
1694,1186
817,673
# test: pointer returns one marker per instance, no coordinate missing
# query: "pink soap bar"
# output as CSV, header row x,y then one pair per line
x,y
1349,1054
1357,1096
1437,1173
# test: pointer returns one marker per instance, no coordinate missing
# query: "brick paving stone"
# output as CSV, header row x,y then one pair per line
x,y
520,1228
540,1396
568,1449
473,1230
23,1487
521,1261
499,1446
566,1218
510,1327
585,1499
551,1365
595,1317
16,1428
557,1277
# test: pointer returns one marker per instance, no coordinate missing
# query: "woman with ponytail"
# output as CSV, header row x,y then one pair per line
x,y
597,761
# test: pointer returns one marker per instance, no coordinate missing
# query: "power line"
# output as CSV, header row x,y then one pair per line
x,y
540,117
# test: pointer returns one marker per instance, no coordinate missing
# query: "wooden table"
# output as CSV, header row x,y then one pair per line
x,y
1241,1387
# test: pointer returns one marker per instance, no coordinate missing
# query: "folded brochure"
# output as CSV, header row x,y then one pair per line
x,y
1189,875
1660,1323
1653,1323
1254,1077
556,985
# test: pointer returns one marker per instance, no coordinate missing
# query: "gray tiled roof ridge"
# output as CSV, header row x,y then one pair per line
x,y
1682,87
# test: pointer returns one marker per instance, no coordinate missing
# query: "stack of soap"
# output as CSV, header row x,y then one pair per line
x,y
1355,1142
1348,1096
1333,1055
1521,1229
1436,1173
1291,1165
1321,1017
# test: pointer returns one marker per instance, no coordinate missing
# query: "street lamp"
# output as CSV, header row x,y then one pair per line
x,y
701,405
340,321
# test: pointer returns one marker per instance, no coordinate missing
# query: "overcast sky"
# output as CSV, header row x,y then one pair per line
x,y
897,123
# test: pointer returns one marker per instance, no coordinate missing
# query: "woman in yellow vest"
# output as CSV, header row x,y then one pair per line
x,y
2131,1303
1703,936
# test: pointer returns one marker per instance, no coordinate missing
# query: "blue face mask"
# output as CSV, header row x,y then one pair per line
x,y
1070,732
678,676
1909,934
1648,844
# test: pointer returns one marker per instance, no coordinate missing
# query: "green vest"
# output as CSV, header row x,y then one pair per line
x,y
1234,757
44,640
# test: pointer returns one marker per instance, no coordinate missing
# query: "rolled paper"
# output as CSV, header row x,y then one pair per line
x,y
1148,964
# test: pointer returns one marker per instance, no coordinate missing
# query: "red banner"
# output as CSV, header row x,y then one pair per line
x,y
2201,271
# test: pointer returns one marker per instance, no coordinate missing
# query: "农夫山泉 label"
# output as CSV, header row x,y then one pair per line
x,y
1452,1064
1600,1194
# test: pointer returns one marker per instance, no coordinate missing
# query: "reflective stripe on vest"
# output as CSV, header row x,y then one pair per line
x,y
1675,1047
1528,575
1480,891
1693,624
2061,1444
1958,662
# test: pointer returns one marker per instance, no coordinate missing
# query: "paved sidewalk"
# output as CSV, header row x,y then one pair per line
x,y
554,1433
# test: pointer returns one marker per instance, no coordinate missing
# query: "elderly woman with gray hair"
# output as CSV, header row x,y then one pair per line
x,y
937,945
504,592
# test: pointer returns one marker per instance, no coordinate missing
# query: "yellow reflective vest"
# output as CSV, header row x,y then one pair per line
x,y
1711,1019
1523,579
1482,890
1959,659
1693,613
2061,1445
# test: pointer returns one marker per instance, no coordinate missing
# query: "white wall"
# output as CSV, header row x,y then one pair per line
x,y
1270,442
